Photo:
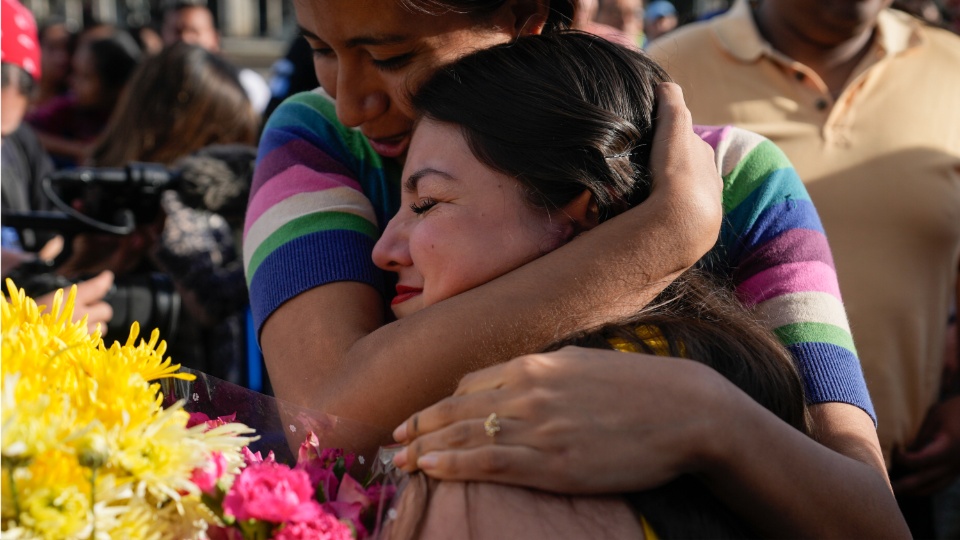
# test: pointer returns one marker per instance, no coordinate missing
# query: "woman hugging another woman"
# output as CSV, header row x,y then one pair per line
x,y
519,149
577,420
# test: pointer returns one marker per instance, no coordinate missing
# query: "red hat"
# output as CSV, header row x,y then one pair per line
x,y
19,39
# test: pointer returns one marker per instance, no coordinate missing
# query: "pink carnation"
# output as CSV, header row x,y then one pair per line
x,y
325,527
206,477
348,512
272,492
253,459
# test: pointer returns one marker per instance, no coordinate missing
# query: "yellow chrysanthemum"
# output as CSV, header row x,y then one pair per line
x,y
57,514
84,422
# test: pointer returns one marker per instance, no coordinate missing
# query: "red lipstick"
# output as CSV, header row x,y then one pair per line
x,y
404,293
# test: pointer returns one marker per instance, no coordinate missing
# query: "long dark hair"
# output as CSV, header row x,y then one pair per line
x,y
115,58
568,111
179,101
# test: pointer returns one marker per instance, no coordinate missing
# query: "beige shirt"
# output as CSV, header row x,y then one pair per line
x,y
882,164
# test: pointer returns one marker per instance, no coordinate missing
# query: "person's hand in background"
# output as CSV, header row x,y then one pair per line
x,y
89,301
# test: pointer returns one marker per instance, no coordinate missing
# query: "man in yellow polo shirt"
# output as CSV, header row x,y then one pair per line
x,y
866,103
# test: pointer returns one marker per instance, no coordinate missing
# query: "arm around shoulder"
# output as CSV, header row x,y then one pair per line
x,y
325,347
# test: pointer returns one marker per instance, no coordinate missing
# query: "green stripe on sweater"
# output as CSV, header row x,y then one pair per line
x,y
304,225
765,159
812,332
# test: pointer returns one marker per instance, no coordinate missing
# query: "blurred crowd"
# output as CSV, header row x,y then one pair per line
x,y
102,97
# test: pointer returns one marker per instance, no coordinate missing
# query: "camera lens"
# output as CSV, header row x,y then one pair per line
x,y
149,299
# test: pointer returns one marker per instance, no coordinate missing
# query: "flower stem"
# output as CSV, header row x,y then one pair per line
x,y
93,499
13,493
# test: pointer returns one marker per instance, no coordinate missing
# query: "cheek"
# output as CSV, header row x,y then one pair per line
x,y
400,98
326,75
445,257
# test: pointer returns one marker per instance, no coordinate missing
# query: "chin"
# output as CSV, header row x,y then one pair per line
x,y
407,308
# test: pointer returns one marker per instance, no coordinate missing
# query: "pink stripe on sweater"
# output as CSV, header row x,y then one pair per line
x,y
712,134
294,181
789,278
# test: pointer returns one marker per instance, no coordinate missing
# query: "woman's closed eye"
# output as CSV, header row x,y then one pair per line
x,y
393,63
423,205
322,52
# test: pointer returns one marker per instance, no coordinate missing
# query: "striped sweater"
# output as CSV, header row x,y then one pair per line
x,y
321,197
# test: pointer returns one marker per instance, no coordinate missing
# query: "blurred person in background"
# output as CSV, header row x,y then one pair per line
x,y
659,17
101,66
927,10
864,101
57,39
191,21
624,15
147,38
584,19
24,162
291,74
181,101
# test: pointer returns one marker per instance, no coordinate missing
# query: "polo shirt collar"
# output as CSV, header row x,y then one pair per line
x,y
737,33
897,32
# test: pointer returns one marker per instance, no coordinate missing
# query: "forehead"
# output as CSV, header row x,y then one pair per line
x,y
332,20
194,16
434,143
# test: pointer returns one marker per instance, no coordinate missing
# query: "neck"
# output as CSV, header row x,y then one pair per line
x,y
832,57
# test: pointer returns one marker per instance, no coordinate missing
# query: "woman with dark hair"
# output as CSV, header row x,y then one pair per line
x,y
100,70
519,149
57,40
178,102
326,185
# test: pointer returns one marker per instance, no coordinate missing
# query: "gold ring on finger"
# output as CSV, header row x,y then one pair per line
x,y
491,425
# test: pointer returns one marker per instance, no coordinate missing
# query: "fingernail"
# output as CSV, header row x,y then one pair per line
x,y
400,458
427,462
400,434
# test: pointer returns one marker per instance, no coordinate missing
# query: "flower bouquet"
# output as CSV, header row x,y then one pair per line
x,y
93,448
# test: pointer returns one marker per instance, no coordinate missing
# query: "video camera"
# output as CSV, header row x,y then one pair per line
x,y
112,201
115,201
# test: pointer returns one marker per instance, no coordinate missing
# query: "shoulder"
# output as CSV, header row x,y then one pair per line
x,y
749,162
25,138
53,111
942,43
307,122
691,37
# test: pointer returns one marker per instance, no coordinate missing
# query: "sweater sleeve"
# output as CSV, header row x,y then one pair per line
x,y
319,200
782,267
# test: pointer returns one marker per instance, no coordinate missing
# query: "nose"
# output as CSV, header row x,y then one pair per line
x,y
360,97
392,250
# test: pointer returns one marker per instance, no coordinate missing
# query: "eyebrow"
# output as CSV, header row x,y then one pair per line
x,y
410,184
387,39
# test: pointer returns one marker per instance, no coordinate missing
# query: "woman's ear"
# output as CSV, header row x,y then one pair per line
x,y
529,16
582,212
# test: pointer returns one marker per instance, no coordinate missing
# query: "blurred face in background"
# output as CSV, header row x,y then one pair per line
x,y
85,79
55,54
13,102
621,14
193,25
829,22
